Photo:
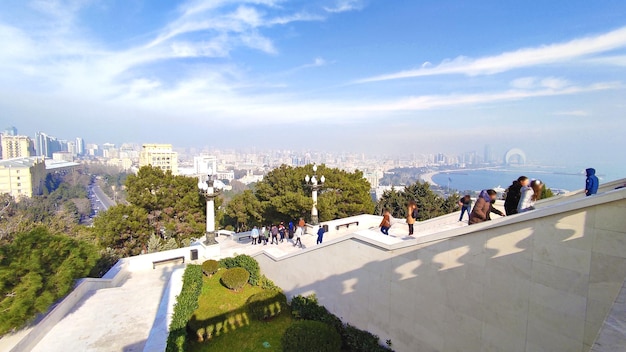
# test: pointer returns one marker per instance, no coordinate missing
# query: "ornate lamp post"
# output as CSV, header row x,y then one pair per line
x,y
210,192
315,186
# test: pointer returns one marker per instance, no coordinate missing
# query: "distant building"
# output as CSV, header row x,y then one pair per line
x,y
80,146
201,164
17,147
159,155
22,177
10,131
46,145
62,156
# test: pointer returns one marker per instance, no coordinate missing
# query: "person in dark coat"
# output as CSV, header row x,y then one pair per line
x,y
320,234
513,195
466,206
592,183
483,206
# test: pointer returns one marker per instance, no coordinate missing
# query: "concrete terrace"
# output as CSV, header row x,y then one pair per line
x,y
484,287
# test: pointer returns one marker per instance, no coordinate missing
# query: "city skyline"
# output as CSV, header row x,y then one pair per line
x,y
346,75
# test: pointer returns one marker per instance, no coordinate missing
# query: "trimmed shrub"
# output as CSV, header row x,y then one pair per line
x,y
186,304
268,284
307,308
359,340
246,262
210,267
235,278
311,336
266,304
352,338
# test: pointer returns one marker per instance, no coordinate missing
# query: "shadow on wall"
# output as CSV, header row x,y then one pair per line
x,y
523,286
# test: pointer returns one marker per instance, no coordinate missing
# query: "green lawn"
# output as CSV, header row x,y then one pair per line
x,y
223,315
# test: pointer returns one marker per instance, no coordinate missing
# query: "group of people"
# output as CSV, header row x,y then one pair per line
x,y
411,218
279,233
521,197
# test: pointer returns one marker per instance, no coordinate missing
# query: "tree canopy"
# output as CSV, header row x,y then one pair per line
x,y
160,203
283,195
36,269
429,204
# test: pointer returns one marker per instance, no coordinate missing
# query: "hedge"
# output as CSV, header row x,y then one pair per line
x,y
210,267
266,304
235,278
186,304
353,339
246,262
311,336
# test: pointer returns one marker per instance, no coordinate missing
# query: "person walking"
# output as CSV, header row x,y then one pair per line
x,y
592,182
466,206
513,194
263,236
298,235
482,207
385,225
530,195
291,228
255,235
281,231
274,233
320,234
301,224
411,216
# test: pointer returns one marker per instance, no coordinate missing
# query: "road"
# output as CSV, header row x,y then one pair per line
x,y
101,198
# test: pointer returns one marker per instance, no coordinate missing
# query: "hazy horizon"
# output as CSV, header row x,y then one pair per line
x,y
332,75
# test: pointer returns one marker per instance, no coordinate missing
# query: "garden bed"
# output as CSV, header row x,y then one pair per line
x,y
222,321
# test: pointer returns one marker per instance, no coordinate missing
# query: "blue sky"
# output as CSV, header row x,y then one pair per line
x,y
373,76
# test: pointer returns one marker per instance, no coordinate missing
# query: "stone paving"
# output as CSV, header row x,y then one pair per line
x,y
113,319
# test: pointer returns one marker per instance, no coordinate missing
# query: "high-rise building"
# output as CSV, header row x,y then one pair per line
x,y
22,177
10,131
488,156
46,145
80,146
17,147
159,155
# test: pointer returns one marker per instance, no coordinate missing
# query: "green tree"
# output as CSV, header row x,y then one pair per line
x,y
429,204
123,228
174,205
284,195
243,211
36,269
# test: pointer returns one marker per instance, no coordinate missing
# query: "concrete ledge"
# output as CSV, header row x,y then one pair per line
x,y
115,277
157,340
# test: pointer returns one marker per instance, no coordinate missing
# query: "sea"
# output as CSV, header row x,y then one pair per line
x,y
556,178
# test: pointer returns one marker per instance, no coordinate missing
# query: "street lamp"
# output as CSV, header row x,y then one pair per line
x,y
210,192
315,186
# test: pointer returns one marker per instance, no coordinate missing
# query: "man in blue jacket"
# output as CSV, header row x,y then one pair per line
x,y
591,186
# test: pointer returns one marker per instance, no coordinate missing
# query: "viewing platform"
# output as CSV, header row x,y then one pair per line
x,y
551,279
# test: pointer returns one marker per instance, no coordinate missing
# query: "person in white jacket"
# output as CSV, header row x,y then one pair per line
x,y
530,195
298,235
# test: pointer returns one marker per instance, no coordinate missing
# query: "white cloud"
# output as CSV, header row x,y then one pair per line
x,y
428,102
554,83
526,57
580,113
344,6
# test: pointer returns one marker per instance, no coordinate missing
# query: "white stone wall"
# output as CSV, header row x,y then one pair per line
x,y
539,281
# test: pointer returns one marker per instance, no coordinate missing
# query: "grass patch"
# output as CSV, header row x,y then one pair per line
x,y
224,323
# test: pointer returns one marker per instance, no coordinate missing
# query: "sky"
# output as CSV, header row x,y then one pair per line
x,y
372,76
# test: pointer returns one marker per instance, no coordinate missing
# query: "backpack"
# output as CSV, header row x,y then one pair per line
x,y
414,213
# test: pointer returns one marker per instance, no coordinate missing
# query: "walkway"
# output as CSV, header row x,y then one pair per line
x,y
113,319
